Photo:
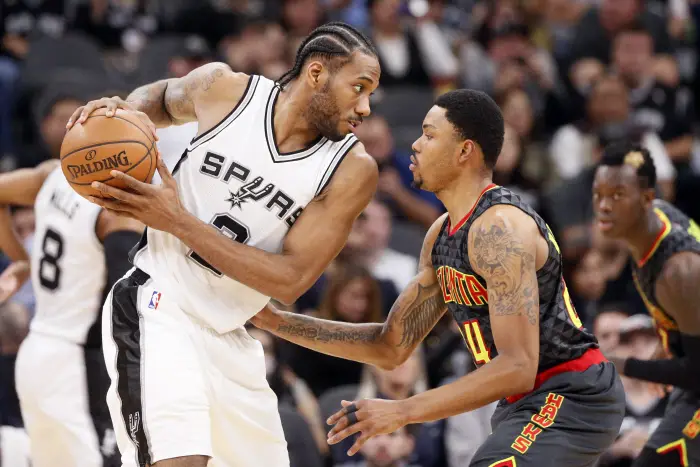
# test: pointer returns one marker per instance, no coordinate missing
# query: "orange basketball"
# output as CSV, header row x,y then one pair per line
x,y
92,150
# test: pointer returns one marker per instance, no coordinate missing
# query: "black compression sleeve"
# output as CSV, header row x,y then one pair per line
x,y
117,245
682,373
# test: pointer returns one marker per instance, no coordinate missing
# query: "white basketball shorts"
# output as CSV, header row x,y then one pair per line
x,y
53,390
180,389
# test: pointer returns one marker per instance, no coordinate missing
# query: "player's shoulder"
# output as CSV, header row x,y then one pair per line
x,y
219,82
357,172
505,217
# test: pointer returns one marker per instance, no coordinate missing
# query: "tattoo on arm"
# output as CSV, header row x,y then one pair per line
x,y
500,257
327,331
419,315
179,100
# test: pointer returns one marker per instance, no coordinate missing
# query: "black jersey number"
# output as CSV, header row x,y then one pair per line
x,y
51,253
229,227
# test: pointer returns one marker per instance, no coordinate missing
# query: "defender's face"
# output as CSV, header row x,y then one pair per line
x,y
435,152
618,200
345,97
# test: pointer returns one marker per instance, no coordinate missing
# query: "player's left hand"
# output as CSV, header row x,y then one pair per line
x,y
157,206
369,417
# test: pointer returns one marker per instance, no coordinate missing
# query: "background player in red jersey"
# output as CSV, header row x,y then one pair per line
x,y
665,247
494,264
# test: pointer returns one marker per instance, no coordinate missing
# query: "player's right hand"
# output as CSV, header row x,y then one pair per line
x,y
111,104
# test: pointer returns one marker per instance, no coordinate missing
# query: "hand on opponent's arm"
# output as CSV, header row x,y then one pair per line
x,y
386,345
678,293
315,239
502,249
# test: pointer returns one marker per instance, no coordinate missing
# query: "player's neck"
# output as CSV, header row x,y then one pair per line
x,y
461,197
641,243
291,129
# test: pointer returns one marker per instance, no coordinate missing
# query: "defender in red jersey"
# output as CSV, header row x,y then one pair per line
x,y
665,247
495,265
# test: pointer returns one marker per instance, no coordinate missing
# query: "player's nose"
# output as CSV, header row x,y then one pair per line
x,y
363,108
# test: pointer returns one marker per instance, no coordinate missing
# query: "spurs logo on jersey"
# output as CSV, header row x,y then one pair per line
x,y
235,178
65,246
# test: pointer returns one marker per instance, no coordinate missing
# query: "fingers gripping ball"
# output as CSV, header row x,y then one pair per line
x,y
92,150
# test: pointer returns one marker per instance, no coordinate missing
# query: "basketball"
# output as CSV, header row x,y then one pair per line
x,y
90,151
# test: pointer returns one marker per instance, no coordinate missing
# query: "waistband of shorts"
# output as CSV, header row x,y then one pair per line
x,y
589,358
139,276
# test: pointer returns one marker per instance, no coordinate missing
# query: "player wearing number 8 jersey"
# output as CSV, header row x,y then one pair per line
x,y
665,247
494,264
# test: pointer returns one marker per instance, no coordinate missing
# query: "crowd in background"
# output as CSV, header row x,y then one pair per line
x,y
570,77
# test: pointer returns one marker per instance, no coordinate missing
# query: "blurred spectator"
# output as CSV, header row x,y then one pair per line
x,y
411,53
292,390
606,327
395,177
14,325
116,24
588,284
645,407
400,383
368,246
352,296
392,450
656,106
213,20
600,24
24,223
509,61
261,48
300,17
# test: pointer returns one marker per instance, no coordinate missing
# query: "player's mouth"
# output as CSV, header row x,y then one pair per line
x,y
605,225
354,124
414,163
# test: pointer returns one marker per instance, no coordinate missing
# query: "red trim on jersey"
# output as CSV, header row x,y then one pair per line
x,y
590,357
451,231
662,233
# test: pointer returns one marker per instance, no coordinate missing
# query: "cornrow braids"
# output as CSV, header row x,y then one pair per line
x,y
329,41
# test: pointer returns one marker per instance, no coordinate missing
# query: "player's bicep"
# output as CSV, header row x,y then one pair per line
x,y
502,249
20,187
322,229
678,292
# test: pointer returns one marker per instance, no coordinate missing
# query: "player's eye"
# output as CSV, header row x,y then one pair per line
x,y
358,88
617,196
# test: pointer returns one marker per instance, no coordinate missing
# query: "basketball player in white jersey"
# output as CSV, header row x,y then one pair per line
x,y
259,204
80,250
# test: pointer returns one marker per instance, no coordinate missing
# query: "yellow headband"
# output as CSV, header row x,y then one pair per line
x,y
635,159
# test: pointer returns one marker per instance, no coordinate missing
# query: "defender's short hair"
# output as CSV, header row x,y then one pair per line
x,y
632,154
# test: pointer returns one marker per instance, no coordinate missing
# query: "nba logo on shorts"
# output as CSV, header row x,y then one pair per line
x,y
155,298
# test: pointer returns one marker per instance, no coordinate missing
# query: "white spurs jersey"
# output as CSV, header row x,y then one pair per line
x,y
234,177
68,262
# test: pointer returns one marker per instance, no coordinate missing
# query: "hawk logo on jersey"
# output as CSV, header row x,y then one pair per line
x,y
247,192
155,299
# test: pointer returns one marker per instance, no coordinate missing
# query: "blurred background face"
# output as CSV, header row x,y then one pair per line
x,y
632,55
619,203
589,278
510,152
385,14
53,126
388,450
353,301
607,329
376,136
608,102
301,16
517,112
615,14
401,380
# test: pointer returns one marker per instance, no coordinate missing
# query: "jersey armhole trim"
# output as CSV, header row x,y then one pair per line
x,y
231,116
335,163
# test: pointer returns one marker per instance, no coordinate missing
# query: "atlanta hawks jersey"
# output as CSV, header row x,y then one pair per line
x,y
235,178
562,336
68,263
678,234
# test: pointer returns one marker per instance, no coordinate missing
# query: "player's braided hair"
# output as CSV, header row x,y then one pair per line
x,y
330,41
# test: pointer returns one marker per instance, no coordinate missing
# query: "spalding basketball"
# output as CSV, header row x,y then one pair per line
x,y
92,150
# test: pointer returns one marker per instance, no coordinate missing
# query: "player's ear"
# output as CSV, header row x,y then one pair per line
x,y
316,74
466,150
648,195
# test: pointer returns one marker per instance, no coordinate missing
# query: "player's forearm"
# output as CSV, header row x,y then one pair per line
x,y
271,274
679,372
359,342
502,377
150,99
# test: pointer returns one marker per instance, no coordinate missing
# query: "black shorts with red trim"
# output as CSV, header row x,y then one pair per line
x,y
570,420
678,434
